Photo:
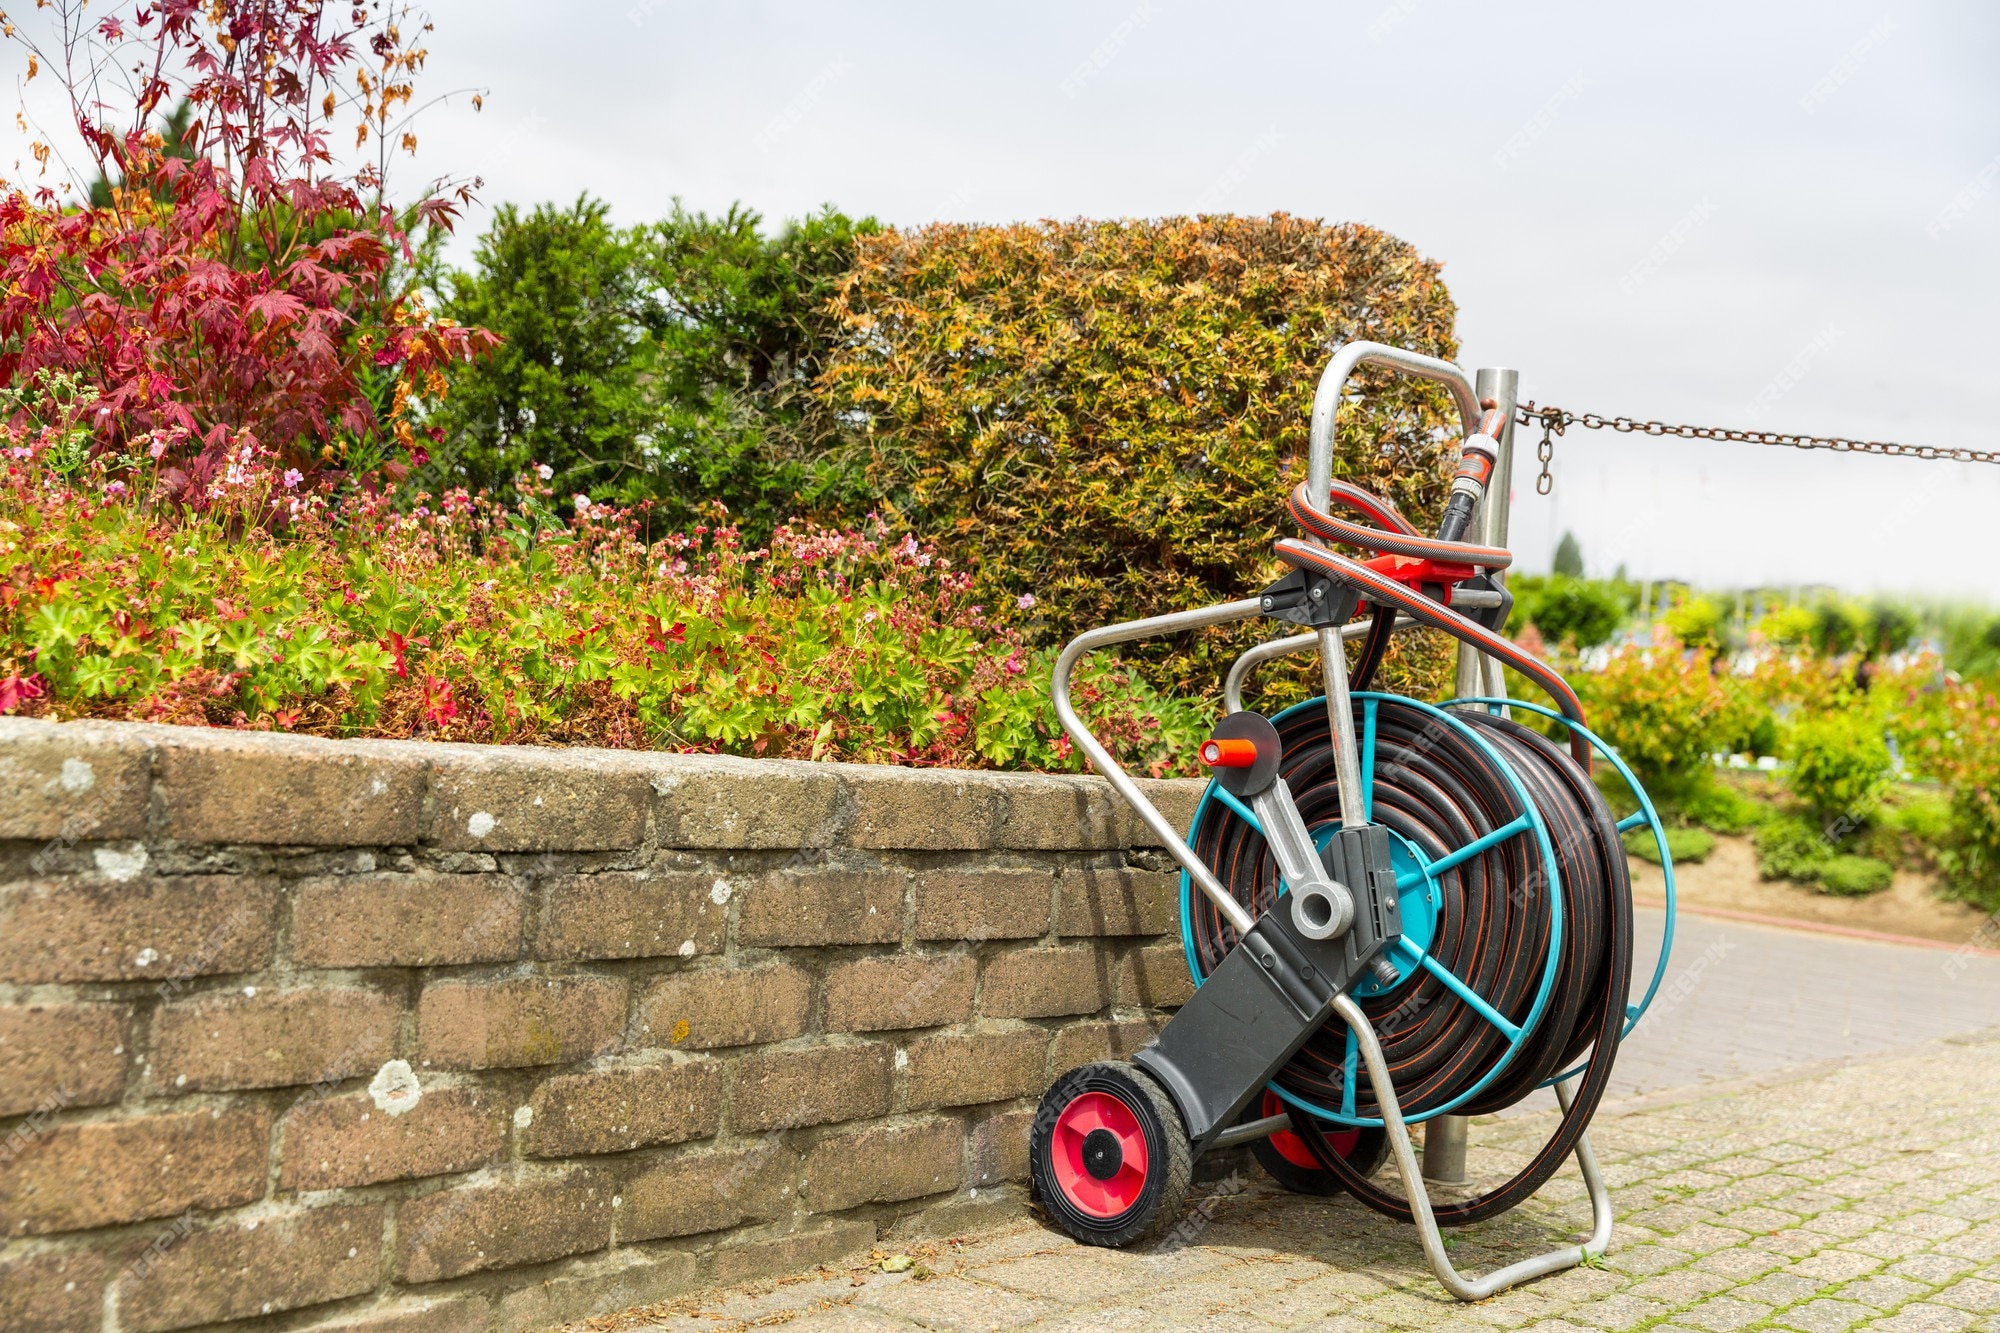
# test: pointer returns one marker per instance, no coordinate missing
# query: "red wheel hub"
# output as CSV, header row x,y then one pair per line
x,y
1098,1154
1293,1148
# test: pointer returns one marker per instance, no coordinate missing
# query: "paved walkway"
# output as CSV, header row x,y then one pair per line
x,y
1743,1000
1862,1195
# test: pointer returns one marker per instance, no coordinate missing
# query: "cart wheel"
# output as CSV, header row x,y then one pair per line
x,y
1286,1159
1109,1155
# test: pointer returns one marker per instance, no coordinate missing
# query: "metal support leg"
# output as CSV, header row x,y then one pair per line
x,y
1470,1289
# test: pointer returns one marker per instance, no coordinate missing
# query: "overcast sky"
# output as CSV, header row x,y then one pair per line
x,y
1775,215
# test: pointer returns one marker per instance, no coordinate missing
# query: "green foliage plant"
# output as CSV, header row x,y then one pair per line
x,y
1721,808
1792,848
1688,846
569,387
478,621
670,363
1850,876
1840,768
1577,612
1666,712
1697,621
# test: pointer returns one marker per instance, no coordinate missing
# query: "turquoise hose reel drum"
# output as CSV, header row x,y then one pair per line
x,y
1421,1006
1394,911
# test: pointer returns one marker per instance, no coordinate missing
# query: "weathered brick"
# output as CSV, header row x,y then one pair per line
x,y
999,1148
61,1055
415,1314
72,781
621,915
1155,977
240,1269
58,1291
782,1256
523,1021
880,994
490,800
1085,1043
725,1006
232,786
1044,983
407,920
968,1068
1176,798
883,1164
151,928
1055,812
503,1223
813,1086
697,1192
612,1283
983,904
71,1177
932,809
334,1142
273,1038
721,801
806,907
1117,902
612,1110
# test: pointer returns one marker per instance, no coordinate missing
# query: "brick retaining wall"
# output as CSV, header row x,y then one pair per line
x,y
318,1034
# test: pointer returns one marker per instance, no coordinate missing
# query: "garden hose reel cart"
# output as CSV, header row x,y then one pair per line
x,y
1393,911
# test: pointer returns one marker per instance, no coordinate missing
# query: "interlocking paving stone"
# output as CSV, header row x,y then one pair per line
x,y
1827,1316
1881,1214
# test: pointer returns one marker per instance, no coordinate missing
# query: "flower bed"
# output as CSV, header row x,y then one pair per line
x,y
471,621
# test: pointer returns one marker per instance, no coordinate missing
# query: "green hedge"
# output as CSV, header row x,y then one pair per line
x,y
1107,416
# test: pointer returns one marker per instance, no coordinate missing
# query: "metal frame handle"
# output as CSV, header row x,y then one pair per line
x,y
1326,401
1113,772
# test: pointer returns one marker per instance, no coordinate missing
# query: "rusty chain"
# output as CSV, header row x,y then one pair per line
x,y
1555,420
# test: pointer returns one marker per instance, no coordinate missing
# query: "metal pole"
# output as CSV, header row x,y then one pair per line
x,y
1477,674
1444,1149
1444,1135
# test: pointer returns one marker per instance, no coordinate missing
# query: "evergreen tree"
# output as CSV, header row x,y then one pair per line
x,y
670,362
1569,556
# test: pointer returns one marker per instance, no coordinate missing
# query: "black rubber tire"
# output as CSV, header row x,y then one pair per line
x,y
1368,1151
1170,1160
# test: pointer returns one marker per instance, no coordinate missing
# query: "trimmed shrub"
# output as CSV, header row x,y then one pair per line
x,y
1665,715
1790,848
1854,876
1108,415
1698,623
1840,768
1922,816
1721,808
1689,846
1580,612
1961,746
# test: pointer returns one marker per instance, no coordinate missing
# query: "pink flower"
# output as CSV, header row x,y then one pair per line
x,y
1026,602
159,446
292,478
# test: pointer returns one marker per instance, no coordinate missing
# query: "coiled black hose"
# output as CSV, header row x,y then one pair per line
x,y
1434,786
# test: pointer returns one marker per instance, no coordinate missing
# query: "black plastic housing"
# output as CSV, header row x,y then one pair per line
x,y
1271,992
